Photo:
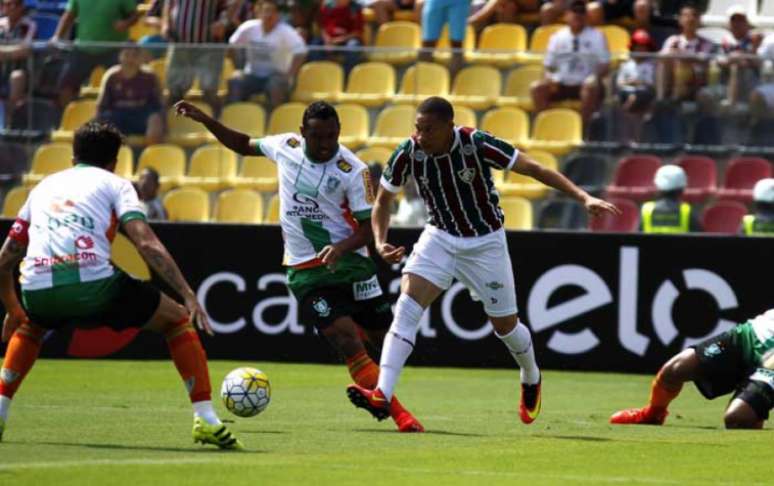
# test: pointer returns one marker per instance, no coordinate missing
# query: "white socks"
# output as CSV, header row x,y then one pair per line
x,y
519,343
5,405
205,411
398,343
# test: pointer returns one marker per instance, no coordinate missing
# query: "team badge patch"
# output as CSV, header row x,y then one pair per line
x,y
332,184
293,142
420,155
468,149
344,166
467,174
321,307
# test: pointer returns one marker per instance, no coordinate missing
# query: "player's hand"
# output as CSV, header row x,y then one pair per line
x,y
329,255
13,319
391,254
596,206
197,316
184,108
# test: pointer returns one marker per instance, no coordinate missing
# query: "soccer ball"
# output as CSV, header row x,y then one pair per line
x,y
246,392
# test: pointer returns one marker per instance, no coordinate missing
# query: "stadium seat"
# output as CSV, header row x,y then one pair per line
x,y
187,204
741,175
168,160
422,80
212,168
562,214
500,44
517,87
627,222
48,159
557,130
140,29
716,14
587,171
249,118
125,163
14,200
443,53
393,125
225,74
399,41
375,154
354,125
91,90
538,43
465,117
524,186
318,80
258,173
518,213
633,178
476,86
76,114
46,23
286,118
510,124
723,217
370,84
617,42
184,131
159,68
702,177
239,206
273,212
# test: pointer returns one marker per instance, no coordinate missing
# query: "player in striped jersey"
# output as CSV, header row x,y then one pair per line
x,y
464,240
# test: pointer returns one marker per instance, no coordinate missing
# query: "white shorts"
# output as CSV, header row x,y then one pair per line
x,y
481,263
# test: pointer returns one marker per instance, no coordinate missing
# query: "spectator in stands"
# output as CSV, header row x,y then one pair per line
x,y
341,25
680,78
275,54
668,214
576,61
153,19
17,32
411,209
436,13
98,21
499,11
130,98
762,96
609,11
195,22
384,10
147,188
761,222
636,83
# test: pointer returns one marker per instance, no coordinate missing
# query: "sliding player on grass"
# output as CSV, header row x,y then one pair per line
x,y
325,210
63,234
740,360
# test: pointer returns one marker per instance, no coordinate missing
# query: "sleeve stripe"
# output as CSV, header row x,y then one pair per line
x,y
388,186
513,160
132,215
256,143
494,147
362,215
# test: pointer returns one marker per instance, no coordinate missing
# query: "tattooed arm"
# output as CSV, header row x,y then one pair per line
x,y
10,256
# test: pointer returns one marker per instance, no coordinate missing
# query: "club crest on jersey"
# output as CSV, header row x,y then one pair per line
x,y
321,307
332,184
468,149
467,174
293,142
344,166
420,155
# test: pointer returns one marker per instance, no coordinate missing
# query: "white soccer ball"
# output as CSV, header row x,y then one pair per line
x,y
246,392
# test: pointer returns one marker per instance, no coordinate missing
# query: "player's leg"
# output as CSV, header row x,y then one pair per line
x,y
741,415
21,353
751,403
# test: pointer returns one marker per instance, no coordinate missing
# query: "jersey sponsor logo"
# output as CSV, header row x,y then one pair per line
x,y
467,174
495,285
332,184
368,187
293,142
305,207
321,306
367,289
84,242
344,166
80,259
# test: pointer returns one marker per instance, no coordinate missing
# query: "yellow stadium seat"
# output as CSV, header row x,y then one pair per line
x,y
500,44
167,159
48,159
464,117
187,204
239,206
510,124
393,125
273,213
422,80
14,200
159,68
245,117
126,257
76,114
140,29
518,213
225,74
517,87
557,131
617,41
257,173
443,52
400,41
538,43
213,167
91,90
370,84
184,131
354,125
318,80
125,163
523,186
375,154
476,86
286,118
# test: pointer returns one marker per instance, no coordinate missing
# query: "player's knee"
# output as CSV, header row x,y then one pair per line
x,y
679,368
740,418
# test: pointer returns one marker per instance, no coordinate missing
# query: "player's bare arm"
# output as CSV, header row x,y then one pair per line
x,y
237,141
330,254
159,259
10,255
380,222
552,178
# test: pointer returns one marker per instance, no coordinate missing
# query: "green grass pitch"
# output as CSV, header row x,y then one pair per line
x,y
129,423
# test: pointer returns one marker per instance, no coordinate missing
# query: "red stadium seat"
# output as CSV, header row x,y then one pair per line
x,y
627,222
723,217
702,177
633,177
741,175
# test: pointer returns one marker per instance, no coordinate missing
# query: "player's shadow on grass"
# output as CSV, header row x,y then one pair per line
x,y
125,447
430,432
583,438
262,432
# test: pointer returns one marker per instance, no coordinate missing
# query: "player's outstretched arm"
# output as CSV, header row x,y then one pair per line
x,y
10,256
237,141
159,259
595,206
380,222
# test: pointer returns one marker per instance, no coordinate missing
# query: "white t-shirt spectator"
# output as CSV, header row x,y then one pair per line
x,y
766,49
268,53
697,45
643,73
574,58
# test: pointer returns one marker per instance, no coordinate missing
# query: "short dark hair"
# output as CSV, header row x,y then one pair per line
x,y
97,143
320,110
691,6
438,107
153,173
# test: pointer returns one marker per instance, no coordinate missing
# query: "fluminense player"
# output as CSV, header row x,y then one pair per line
x,y
325,209
463,240
63,234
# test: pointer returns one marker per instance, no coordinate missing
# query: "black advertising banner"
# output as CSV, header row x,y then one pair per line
x,y
593,301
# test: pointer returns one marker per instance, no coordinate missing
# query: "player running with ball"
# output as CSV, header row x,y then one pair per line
x,y
464,240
